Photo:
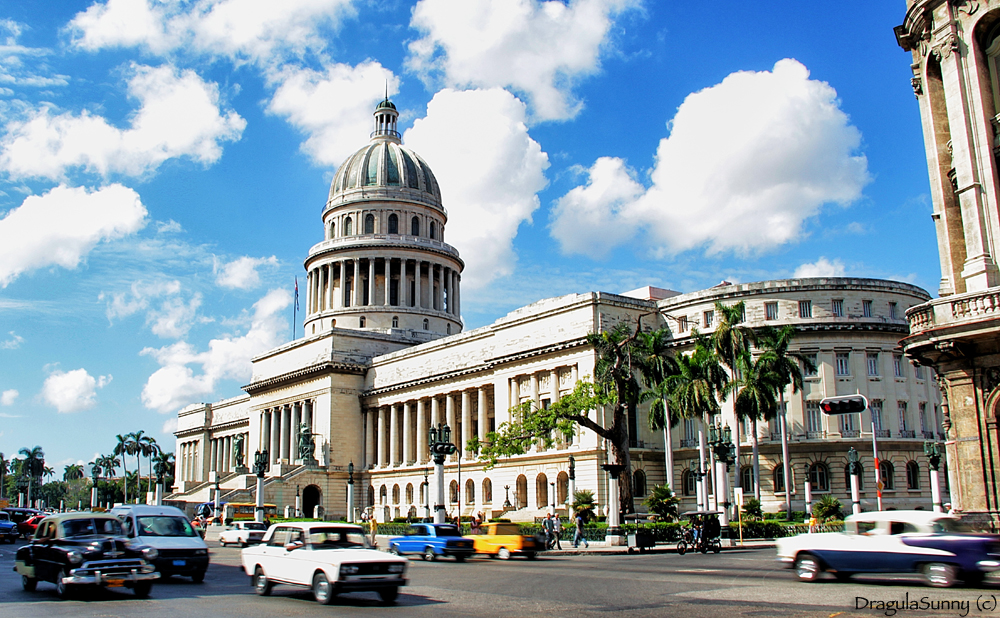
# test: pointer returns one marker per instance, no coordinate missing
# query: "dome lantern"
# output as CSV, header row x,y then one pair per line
x,y
385,121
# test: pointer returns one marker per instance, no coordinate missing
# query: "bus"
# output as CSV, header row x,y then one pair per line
x,y
244,511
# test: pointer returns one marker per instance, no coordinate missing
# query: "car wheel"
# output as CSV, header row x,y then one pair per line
x,y
322,589
261,585
142,589
28,583
198,577
243,543
389,595
503,554
65,591
531,555
459,558
394,550
807,568
940,575
843,576
429,554
682,547
221,542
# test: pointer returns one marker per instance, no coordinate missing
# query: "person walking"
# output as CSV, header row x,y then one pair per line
x,y
579,536
557,530
549,531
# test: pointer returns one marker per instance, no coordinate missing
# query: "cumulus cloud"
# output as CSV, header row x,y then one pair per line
x,y
176,383
8,397
72,391
13,343
537,48
62,226
241,273
489,183
820,268
178,116
16,61
167,314
746,163
252,30
169,426
333,107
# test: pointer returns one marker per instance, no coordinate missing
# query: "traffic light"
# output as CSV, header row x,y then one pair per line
x,y
848,404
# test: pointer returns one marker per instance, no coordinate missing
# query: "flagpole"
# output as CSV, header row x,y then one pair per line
x,y
295,308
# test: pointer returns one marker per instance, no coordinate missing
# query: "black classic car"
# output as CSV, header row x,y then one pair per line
x,y
78,550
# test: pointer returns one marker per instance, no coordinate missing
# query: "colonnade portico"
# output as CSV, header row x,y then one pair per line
x,y
279,429
222,459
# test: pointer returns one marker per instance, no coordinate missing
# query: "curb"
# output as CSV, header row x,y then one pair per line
x,y
620,550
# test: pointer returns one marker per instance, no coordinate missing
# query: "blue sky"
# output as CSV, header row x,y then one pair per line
x,y
163,166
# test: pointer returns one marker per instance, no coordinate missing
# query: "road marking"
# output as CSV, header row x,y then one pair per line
x,y
697,570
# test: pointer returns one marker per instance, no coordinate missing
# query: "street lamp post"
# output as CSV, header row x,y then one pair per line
x,y
553,497
95,473
934,451
260,466
298,502
441,447
427,497
350,492
720,439
570,499
506,500
854,463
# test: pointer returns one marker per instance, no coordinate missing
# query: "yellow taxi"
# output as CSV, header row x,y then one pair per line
x,y
503,540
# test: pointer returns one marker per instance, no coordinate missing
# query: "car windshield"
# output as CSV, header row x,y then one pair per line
x,y
947,525
4,517
507,529
448,531
165,525
254,526
87,527
336,538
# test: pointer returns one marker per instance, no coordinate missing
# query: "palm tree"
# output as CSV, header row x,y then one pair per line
x,y
164,465
657,365
4,466
48,472
753,399
731,342
784,366
125,446
695,389
32,465
72,472
149,448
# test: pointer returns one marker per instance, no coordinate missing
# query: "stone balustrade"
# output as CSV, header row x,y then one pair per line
x,y
954,310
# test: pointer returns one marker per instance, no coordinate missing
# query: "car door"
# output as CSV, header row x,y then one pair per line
x,y
273,554
299,562
47,564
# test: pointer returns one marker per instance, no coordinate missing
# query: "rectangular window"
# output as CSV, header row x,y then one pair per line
x,y
847,422
876,410
770,311
837,308
866,308
814,361
892,311
901,406
682,324
709,318
872,364
843,363
805,308
897,365
922,409
918,371
814,417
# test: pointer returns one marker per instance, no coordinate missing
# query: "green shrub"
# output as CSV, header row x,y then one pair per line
x,y
828,507
663,503
752,510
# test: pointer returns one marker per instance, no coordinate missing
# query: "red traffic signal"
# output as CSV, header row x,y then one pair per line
x,y
848,404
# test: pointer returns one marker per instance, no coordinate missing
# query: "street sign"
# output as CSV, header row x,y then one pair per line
x,y
847,404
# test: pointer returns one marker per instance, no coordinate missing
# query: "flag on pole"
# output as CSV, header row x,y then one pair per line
x,y
296,292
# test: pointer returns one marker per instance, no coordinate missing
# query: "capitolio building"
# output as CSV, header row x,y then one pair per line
x,y
385,355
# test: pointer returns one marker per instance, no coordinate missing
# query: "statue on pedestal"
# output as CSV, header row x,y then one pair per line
x,y
238,450
307,445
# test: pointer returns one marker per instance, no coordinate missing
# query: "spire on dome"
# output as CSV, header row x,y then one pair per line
x,y
385,120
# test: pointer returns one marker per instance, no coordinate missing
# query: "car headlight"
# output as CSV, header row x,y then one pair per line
x,y
201,552
348,569
150,553
74,557
396,568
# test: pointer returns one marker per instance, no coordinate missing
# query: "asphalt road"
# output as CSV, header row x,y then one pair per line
x,y
734,583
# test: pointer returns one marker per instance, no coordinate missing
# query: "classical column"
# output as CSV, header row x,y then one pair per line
x,y
394,434
416,284
458,295
309,413
574,376
382,455
265,430
466,422
439,293
369,438
449,411
338,283
388,280
371,281
293,449
445,290
421,432
407,434
227,459
275,434
358,297
483,414
215,452
435,411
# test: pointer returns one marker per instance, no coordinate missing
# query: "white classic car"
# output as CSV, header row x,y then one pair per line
x,y
940,546
243,533
329,558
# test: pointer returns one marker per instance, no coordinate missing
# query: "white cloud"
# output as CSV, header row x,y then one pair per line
x,y
241,273
489,183
169,426
13,343
258,30
585,220
172,318
62,226
333,107
72,391
175,384
820,268
175,317
8,397
179,116
746,163
122,305
537,48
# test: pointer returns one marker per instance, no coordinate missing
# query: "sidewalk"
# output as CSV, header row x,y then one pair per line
x,y
602,548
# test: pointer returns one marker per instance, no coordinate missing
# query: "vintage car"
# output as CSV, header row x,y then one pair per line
x,y
326,557
243,533
431,541
8,529
78,550
181,550
939,546
503,540
28,526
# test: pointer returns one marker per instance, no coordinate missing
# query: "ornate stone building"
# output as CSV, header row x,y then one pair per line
x,y
955,46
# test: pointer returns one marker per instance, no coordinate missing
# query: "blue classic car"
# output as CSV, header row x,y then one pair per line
x,y
431,541
8,529
939,546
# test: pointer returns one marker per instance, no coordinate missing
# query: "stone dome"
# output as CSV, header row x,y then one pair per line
x,y
385,164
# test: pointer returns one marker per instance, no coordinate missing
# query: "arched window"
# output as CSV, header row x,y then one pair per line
x,y
887,474
427,324
912,475
395,494
470,492
487,491
541,491
395,321
361,321
383,494
348,227
562,488
414,226
861,477
371,496
433,228
423,493
521,492
746,479
688,483
333,229
393,224
778,475
409,493
638,483
447,328
369,224
453,492
819,476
